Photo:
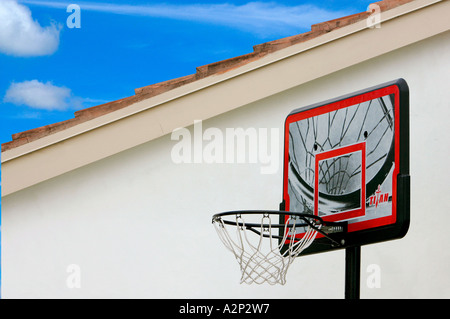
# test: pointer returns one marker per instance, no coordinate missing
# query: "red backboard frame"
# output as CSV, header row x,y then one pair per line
x,y
369,231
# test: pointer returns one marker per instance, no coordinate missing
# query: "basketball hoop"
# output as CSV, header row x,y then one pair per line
x,y
265,249
346,184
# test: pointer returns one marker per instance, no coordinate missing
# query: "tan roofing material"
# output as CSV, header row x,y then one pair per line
x,y
146,92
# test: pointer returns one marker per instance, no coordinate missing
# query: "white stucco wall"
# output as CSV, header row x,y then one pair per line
x,y
139,225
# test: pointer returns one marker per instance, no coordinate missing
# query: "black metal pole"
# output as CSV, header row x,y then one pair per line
x,y
352,272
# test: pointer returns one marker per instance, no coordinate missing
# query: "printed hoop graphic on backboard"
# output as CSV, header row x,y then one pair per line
x,y
346,160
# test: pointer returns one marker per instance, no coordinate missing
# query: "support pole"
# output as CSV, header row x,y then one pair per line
x,y
352,272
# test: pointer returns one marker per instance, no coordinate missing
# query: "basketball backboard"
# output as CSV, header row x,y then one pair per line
x,y
347,160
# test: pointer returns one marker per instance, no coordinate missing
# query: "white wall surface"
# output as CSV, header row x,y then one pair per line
x,y
139,225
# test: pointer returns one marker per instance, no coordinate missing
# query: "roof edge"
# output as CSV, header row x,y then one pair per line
x,y
152,118
204,71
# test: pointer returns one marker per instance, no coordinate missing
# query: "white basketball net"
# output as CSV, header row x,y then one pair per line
x,y
259,255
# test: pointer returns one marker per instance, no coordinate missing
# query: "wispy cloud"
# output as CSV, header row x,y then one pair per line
x,y
20,35
38,95
45,96
257,17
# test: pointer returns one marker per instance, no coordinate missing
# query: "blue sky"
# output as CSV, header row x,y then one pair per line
x,y
49,70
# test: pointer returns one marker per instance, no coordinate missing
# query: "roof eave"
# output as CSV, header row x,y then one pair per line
x,y
161,114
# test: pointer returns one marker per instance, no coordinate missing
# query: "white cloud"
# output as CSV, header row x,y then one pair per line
x,y
45,96
262,18
38,95
20,35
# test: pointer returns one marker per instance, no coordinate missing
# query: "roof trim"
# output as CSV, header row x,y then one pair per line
x,y
155,112
146,92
